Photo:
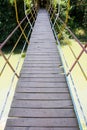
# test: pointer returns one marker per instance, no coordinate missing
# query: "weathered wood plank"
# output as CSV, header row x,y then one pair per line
x,y
41,71
42,90
42,104
49,80
35,122
25,75
45,113
41,84
42,58
30,65
42,128
42,96
44,70
41,53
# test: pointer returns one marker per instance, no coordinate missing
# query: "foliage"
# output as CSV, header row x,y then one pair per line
x,y
77,17
78,11
8,20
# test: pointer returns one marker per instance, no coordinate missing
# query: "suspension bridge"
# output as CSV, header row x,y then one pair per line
x,y
44,98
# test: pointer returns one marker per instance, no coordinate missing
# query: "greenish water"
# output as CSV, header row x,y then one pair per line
x,y
7,86
80,82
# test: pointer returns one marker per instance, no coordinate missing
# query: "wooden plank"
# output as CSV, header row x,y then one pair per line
x,y
45,113
42,58
35,122
42,62
42,104
42,50
43,54
42,90
49,80
41,65
41,84
25,75
39,58
51,69
43,42
42,96
45,49
42,128
42,71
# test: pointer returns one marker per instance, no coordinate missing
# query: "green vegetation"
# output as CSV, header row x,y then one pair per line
x,y
8,18
77,18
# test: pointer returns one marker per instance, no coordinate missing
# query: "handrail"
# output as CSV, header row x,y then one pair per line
x,y
69,78
83,50
78,42
16,11
19,26
13,49
8,63
26,15
77,61
11,34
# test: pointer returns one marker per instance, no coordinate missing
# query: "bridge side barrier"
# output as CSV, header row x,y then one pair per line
x,y
55,20
19,38
27,23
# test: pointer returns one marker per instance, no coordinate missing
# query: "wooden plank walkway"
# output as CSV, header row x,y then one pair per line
x,y
42,100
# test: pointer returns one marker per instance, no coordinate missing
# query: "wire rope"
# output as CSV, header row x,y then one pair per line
x,y
16,10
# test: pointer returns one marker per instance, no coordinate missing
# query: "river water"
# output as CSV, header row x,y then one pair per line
x,y
7,87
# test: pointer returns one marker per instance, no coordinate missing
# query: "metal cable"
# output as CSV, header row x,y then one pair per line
x,y
12,80
62,57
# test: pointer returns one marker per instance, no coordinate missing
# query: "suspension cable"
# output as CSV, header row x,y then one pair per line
x,y
12,50
12,80
72,87
58,12
27,16
59,1
7,59
84,49
19,22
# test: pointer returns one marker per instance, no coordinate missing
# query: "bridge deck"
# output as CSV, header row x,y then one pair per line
x,y
42,100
